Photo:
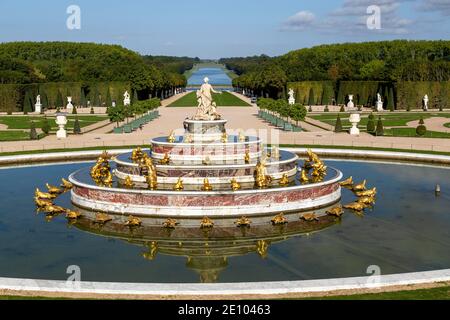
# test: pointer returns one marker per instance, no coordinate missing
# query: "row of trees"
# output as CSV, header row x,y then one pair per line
x,y
137,108
43,62
280,107
390,61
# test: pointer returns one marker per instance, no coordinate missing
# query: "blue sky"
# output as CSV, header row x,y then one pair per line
x,y
214,29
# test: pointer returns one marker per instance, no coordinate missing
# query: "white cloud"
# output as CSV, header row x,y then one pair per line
x,y
442,6
299,21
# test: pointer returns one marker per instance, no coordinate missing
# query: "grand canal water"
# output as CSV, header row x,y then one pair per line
x,y
407,230
217,76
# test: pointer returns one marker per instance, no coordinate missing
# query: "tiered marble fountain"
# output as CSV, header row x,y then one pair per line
x,y
207,177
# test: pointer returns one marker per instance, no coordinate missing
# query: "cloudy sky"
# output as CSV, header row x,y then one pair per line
x,y
214,29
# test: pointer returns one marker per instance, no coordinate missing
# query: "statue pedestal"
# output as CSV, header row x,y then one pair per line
x,y
380,106
354,119
38,108
205,131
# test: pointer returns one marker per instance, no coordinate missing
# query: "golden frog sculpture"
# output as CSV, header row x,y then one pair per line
x,y
43,195
66,184
367,200
235,186
206,223
128,183
262,248
356,206
171,138
367,193
206,185
179,185
360,186
166,159
170,223
347,182
53,190
336,211
284,181
279,219
310,217
243,222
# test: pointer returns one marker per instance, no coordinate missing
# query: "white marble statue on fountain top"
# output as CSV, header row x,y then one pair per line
x,y
126,99
206,109
425,102
291,97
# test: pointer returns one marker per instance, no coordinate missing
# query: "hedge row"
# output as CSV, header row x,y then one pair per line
x,y
13,96
395,95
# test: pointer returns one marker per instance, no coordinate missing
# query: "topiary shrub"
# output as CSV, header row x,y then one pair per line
x,y
338,126
421,130
310,109
380,128
92,110
74,110
421,121
327,109
45,126
342,109
76,127
33,133
371,124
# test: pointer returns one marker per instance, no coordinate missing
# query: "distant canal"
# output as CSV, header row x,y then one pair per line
x,y
217,76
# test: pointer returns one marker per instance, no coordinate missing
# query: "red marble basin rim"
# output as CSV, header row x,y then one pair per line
x,y
334,180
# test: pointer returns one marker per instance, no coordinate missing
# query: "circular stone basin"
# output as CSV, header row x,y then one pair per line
x,y
406,231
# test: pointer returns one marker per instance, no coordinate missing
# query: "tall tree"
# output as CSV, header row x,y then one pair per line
x,y
27,103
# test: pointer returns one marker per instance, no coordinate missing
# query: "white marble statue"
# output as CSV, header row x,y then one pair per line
x,y
69,106
126,99
425,102
206,109
38,105
291,97
61,121
379,103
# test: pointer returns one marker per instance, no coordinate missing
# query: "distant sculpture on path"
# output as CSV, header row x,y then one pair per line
x,y
126,99
38,105
206,109
425,102
291,97
379,102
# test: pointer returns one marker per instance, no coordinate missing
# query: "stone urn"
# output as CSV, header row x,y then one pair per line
x,y
61,121
355,119
350,103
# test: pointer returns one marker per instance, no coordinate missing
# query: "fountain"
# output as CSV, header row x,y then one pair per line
x,y
205,173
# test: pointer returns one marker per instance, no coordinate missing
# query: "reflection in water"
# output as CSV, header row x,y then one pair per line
x,y
206,250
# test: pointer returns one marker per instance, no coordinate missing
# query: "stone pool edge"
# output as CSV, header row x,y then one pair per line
x,y
74,156
32,287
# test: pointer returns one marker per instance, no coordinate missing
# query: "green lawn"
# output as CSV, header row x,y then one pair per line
x,y
447,125
14,135
411,132
440,293
225,99
24,122
389,119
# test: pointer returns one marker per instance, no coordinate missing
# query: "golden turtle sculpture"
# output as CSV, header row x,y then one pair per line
x,y
179,185
53,189
170,223
133,222
43,195
367,200
102,218
42,203
235,186
284,181
310,217
53,209
367,193
206,185
165,160
279,219
128,183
